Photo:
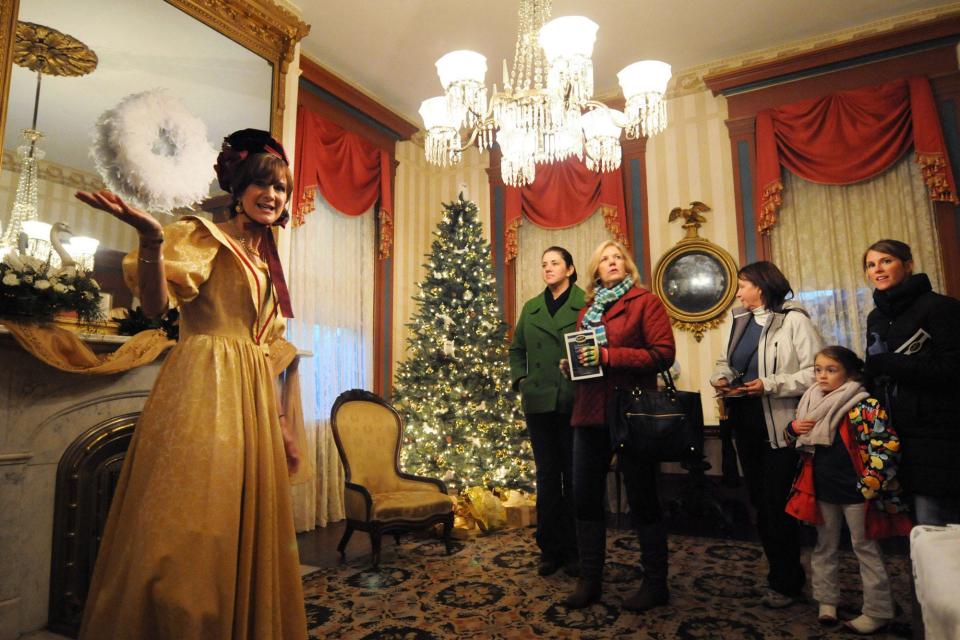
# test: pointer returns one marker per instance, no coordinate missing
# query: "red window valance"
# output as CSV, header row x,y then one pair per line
x,y
849,137
562,195
351,173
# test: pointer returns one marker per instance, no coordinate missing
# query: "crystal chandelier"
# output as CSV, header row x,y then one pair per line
x,y
546,111
47,52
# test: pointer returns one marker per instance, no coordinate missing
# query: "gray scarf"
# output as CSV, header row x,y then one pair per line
x,y
828,411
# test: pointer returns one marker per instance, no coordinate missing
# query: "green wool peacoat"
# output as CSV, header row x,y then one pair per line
x,y
536,351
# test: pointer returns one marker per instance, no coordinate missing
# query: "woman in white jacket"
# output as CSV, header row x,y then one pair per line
x,y
767,367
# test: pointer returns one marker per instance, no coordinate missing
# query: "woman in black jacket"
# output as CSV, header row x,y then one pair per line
x,y
913,356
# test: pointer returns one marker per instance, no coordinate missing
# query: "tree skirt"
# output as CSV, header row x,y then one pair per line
x,y
489,588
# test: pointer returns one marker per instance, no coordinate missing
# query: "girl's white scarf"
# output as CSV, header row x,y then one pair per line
x,y
828,410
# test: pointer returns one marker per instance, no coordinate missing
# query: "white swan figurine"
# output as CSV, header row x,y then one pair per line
x,y
66,260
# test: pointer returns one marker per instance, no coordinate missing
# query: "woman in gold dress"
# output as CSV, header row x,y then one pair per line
x,y
200,540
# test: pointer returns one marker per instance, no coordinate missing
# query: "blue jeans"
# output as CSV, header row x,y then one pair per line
x,y
936,510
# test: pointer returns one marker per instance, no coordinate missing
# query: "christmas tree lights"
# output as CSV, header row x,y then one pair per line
x,y
462,420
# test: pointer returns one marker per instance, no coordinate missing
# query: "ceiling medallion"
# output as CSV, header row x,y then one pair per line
x,y
545,112
51,52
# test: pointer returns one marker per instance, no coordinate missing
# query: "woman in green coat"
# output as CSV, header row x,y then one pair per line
x,y
535,354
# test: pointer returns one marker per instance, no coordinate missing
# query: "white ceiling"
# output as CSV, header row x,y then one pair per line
x,y
387,48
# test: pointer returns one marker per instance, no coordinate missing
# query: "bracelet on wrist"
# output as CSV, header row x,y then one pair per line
x,y
145,261
146,243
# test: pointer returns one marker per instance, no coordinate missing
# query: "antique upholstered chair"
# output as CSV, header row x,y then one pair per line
x,y
379,498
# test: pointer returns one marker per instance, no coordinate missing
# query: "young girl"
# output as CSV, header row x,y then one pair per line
x,y
849,471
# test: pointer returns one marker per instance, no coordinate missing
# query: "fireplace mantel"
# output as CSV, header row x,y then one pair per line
x,y
42,411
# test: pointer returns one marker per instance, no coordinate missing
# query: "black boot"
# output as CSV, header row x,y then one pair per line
x,y
592,544
653,552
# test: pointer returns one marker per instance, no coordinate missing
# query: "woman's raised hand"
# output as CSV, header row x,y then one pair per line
x,y
145,224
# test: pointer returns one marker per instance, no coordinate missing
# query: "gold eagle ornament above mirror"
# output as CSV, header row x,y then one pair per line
x,y
48,51
696,279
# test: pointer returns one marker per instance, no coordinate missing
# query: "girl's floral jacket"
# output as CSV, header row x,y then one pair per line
x,y
874,449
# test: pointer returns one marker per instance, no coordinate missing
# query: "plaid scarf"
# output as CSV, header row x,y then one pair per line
x,y
603,299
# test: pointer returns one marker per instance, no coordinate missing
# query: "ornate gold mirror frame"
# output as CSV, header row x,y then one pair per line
x,y
264,28
696,279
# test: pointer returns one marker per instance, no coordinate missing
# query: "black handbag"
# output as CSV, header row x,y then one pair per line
x,y
664,425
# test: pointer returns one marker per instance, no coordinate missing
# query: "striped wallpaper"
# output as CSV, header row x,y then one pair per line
x,y
56,186
691,160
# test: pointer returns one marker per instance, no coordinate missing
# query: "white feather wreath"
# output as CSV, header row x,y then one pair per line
x,y
153,152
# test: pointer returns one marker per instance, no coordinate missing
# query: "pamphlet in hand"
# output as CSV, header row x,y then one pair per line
x,y
914,344
575,341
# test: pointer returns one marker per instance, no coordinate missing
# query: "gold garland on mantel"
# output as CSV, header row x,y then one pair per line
x,y
66,351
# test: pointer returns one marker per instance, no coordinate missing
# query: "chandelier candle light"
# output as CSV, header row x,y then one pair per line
x,y
546,112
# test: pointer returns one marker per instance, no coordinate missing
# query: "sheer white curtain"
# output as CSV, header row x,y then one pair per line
x,y
332,266
580,240
823,230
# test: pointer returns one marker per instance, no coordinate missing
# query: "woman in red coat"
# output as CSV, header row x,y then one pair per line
x,y
638,335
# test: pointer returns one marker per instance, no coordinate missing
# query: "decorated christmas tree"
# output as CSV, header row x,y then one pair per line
x,y
463,422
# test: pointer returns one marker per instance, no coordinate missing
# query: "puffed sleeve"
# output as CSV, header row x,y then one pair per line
x,y
188,253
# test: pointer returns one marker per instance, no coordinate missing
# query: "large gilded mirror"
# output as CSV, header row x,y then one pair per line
x,y
225,61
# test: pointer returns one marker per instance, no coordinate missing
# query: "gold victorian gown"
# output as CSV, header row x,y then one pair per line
x,y
200,539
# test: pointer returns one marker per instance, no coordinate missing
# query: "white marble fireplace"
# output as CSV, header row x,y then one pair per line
x,y
42,412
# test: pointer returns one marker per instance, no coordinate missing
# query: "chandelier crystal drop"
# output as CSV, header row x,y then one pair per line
x,y
443,143
644,84
25,200
545,112
602,148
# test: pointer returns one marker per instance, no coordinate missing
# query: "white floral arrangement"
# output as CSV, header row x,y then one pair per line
x,y
31,289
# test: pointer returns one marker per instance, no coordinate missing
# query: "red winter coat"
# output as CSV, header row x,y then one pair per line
x,y
634,323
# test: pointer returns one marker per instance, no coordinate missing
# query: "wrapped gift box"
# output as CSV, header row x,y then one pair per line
x,y
521,516
464,528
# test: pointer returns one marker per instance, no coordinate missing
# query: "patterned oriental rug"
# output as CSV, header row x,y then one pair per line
x,y
489,588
